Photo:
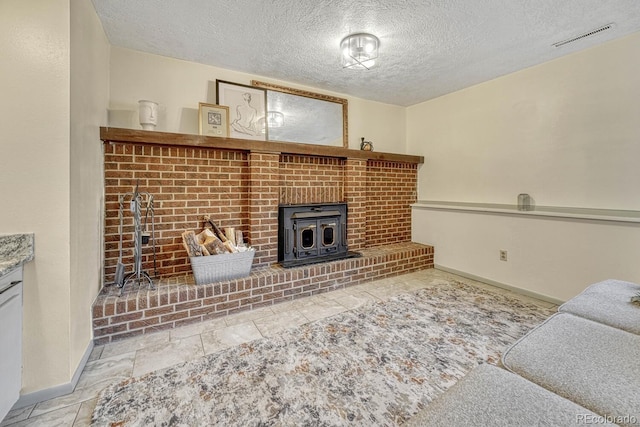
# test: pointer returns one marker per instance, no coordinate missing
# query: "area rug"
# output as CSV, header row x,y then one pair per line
x,y
373,366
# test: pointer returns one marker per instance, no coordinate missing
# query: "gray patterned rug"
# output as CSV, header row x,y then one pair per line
x,y
372,366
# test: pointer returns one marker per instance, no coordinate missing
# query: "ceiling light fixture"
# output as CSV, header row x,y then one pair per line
x,y
359,51
275,119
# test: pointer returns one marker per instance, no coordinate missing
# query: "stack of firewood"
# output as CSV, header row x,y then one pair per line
x,y
213,241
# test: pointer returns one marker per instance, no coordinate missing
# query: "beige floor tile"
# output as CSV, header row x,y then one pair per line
x,y
417,284
220,339
78,396
310,301
369,286
167,354
358,292
16,415
92,391
284,306
83,419
116,367
384,293
404,285
351,290
351,300
321,309
197,328
136,343
63,417
246,316
274,324
300,302
96,353
433,273
433,276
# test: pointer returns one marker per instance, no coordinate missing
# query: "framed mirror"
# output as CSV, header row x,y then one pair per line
x,y
295,115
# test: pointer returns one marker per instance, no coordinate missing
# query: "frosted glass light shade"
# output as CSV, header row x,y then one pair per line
x,y
275,119
359,51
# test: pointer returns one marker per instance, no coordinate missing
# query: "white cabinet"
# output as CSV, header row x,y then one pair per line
x,y
10,339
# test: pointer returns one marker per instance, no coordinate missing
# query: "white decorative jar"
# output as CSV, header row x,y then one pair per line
x,y
148,114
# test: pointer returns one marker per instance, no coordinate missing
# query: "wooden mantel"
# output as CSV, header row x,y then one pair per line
x,y
109,134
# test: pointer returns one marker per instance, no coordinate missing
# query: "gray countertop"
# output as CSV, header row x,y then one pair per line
x,y
15,250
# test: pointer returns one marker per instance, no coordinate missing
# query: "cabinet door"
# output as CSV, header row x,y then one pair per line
x,y
10,340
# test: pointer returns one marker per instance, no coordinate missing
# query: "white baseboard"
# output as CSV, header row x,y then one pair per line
x,y
512,288
56,391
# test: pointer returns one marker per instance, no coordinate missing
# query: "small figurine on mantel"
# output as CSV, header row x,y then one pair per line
x,y
366,145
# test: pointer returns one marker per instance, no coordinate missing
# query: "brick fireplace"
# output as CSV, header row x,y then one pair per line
x,y
241,184
311,233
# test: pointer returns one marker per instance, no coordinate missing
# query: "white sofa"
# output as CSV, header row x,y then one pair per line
x,y
579,367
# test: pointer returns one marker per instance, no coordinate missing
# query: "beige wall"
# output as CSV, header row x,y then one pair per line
x,y
89,101
180,85
551,257
567,132
34,170
44,180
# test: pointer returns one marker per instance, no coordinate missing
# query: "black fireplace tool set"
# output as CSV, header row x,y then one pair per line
x,y
137,203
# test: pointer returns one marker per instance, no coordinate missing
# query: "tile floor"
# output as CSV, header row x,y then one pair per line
x,y
137,356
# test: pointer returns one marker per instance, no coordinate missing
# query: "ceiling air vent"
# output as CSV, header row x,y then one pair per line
x,y
585,35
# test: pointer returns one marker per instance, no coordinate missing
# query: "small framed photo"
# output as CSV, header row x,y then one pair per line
x,y
213,120
247,109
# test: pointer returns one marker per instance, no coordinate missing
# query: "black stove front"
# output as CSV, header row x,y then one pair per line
x,y
312,233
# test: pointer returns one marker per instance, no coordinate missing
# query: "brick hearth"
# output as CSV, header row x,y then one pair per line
x,y
240,184
179,302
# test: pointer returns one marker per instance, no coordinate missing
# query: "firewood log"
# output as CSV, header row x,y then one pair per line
x,y
190,242
215,228
205,235
215,246
230,232
230,247
239,238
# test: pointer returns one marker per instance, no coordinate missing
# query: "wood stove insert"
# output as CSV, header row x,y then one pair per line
x,y
312,233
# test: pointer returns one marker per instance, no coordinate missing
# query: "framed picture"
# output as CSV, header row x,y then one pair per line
x,y
213,120
247,109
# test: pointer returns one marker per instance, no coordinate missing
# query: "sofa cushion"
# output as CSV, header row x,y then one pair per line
x,y
608,302
491,396
589,363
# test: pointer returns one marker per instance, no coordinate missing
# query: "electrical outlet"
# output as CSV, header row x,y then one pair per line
x,y
503,255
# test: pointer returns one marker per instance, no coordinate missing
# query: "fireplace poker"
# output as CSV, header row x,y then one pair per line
x,y
138,274
119,277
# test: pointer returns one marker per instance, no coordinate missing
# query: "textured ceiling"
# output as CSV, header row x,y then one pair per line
x,y
427,47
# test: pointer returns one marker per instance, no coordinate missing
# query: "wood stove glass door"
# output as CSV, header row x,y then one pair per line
x,y
329,235
305,244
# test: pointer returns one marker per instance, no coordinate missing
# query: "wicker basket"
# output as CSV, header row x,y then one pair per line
x,y
217,268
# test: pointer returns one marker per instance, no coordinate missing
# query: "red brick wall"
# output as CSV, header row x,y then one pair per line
x,y
391,189
186,183
263,206
243,190
355,182
311,179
